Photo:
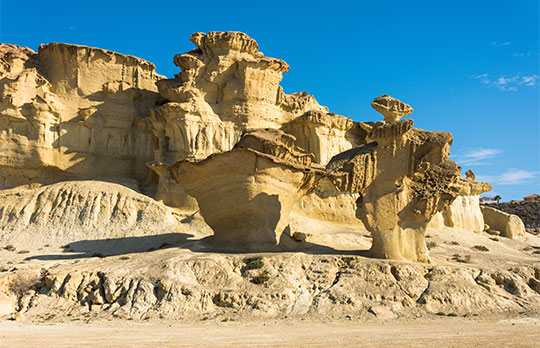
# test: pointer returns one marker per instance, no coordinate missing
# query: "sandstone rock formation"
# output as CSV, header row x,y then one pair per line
x,y
464,213
226,86
509,225
391,108
74,112
404,178
246,194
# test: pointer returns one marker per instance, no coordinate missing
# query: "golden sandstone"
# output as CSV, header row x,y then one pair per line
x,y
222,137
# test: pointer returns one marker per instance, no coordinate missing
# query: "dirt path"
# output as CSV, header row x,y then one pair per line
x,y
446,332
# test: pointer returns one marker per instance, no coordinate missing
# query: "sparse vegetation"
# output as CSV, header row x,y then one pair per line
x,y
452,315
261,278
123,258
494,239
480,248
9,247
462,259
441,314
431,244
254,263
23,252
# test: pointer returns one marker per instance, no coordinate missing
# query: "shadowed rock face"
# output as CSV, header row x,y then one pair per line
x,y
246,194
404,177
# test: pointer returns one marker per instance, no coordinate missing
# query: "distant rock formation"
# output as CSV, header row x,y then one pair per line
x,y
246,194
404,178
509,225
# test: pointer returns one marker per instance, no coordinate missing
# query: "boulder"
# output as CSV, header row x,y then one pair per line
x,y
509,225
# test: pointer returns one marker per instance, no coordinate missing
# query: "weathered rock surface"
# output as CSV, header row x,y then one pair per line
x,y
509,225
391,108
246,194
74,112
404,178
194,287
464,213
226,86
76,211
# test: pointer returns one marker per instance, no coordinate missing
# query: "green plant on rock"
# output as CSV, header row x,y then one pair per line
x,y
261,278
254,263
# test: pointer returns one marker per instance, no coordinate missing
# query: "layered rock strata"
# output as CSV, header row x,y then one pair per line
x,y
246,194
74,112
404,177
226,86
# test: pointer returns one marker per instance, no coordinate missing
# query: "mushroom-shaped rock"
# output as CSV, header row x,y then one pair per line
x,y
246,194
404,177
393,109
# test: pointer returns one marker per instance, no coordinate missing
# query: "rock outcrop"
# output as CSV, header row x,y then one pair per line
x,y
464,213
246,194
404,178
74,112
72,211
391,108
226,86
509,225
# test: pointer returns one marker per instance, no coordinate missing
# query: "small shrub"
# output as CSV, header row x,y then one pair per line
x,y
454,242
431,244
146,318
204,318
480,248
441,314
23,252
254,263
452,315
494,239
462,259
224,320
261,278
10,247
123,258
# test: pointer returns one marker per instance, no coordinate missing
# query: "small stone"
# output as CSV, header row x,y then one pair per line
x,y
382,312
299,236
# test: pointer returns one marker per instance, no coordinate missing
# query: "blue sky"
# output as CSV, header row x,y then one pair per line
x,y
468,67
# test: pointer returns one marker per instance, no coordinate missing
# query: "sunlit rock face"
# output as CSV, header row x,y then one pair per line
x,y
72,111
404,177
226,86
508,225
246,194
464,214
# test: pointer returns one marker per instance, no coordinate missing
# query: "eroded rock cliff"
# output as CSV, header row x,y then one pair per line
x,y
74,112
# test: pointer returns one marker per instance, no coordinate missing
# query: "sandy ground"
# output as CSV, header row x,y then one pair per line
x,y
444,332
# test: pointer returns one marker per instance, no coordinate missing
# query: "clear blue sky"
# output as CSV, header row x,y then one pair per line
x,y
468,67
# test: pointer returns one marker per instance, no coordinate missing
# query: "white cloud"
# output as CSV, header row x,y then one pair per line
x,y
510,83
521,54
512,176
497,44
529,80
476,157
